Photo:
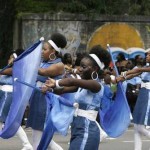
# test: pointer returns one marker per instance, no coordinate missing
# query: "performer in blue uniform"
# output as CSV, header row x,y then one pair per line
x,y
85,134
141,113
132,86
6,89
51,66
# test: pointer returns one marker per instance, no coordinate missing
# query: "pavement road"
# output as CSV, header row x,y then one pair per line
x,y
124,142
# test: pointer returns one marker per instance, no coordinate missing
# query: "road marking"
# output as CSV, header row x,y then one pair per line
x,y
133,141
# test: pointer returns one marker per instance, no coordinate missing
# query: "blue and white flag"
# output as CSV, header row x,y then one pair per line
x,y
25,68
60,114
116,119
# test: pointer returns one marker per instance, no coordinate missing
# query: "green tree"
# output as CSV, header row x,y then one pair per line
x,y
10,9
7,13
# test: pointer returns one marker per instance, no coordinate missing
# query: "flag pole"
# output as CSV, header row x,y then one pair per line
x,y
62,100
117,73
116,70
27,84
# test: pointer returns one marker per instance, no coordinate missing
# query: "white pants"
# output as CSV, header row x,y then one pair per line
x,y
103,134
1,125
22,136
24,139
36,136
138,131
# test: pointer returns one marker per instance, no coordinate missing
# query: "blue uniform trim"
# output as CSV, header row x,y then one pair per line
x,y
86,133
147,110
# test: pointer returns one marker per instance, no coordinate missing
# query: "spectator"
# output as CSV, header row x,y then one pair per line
x,y
121,62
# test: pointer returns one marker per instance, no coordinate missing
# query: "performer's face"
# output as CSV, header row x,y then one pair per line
x,y
148,57
11,59
46,51
86,68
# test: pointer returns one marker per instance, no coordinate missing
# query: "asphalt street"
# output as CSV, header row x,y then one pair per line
x,y
124,142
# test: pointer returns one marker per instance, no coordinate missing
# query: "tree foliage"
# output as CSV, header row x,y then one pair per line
x,y
9,9
109,7
7,13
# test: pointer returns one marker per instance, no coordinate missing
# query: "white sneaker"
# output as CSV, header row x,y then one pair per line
x,y
54,146
147,127
27,147
3,126
103,136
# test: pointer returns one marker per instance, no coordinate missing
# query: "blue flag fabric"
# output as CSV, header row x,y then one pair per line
x,y
59,116
107,99
116,119
25,68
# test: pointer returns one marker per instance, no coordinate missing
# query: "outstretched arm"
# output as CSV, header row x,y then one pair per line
x,y
67,84
52,71
127,77
7,71
138,70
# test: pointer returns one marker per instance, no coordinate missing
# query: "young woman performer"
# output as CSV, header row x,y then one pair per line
x,y
141,113
85,132
6,98
51,66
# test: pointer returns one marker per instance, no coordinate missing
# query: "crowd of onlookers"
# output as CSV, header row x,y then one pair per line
x,y
131,86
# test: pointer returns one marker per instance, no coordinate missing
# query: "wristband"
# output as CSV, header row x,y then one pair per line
x,y
113,77
124,74
74,70
137,90
51,90
57,84
14,55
